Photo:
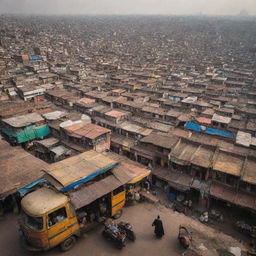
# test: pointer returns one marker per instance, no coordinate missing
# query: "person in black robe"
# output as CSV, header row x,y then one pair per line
x,y
159,229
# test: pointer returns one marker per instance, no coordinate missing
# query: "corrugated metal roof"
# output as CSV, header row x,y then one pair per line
x,y
87,130
54,115
161,140
154,110
183,151
18,168
47,142
24,120
90,193
243,138
59,150
221,119
122,174
160,126
130,127
175,179
86,100
250,170
230,195
122,140
229,163
246,200
220,191
126,172
80,168
115,113
204,120
203,156
173,113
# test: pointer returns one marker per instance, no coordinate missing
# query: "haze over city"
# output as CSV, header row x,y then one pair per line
x,y
175,7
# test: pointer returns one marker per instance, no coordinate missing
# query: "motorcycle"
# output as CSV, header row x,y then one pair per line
x,y
246,229
127,228
184,237
112,232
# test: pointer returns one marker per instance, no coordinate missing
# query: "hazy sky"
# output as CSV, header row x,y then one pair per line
x,y
211,7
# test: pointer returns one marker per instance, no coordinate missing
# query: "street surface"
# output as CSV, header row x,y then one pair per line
x,y
140,216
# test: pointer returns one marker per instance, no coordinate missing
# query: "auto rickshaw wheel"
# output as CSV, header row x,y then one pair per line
x,y
68,244
118,214
119,245
132,237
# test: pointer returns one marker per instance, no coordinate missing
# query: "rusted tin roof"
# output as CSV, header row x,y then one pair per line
x,y
18,168
83,129
86,101
90,193
230,195
115,113
127,172
175,179
161,140
203,120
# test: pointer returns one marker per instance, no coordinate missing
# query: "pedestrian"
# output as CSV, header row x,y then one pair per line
x,y
137,196
147,185
159,229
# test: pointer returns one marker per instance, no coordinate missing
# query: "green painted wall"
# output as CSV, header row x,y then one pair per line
x,y
28,133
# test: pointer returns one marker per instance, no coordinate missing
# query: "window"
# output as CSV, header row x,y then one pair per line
x,y
56,217
35,223
118,190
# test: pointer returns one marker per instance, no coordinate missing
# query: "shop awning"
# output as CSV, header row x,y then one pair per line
x,y
249,174
239,198
223,192
229,163
178,181
140,177
246,200
90,193
130,173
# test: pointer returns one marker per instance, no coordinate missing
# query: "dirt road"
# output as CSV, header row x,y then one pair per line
x,y
140,216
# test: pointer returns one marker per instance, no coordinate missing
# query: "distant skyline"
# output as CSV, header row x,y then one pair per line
x,y
166,7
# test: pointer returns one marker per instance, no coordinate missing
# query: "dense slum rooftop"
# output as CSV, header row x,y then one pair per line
x,y
182,89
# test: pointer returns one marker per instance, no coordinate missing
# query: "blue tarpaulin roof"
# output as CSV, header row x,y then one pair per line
x,y
199,128
23,191
35,58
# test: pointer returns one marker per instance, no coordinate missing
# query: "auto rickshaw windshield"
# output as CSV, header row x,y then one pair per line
x,y
35,223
